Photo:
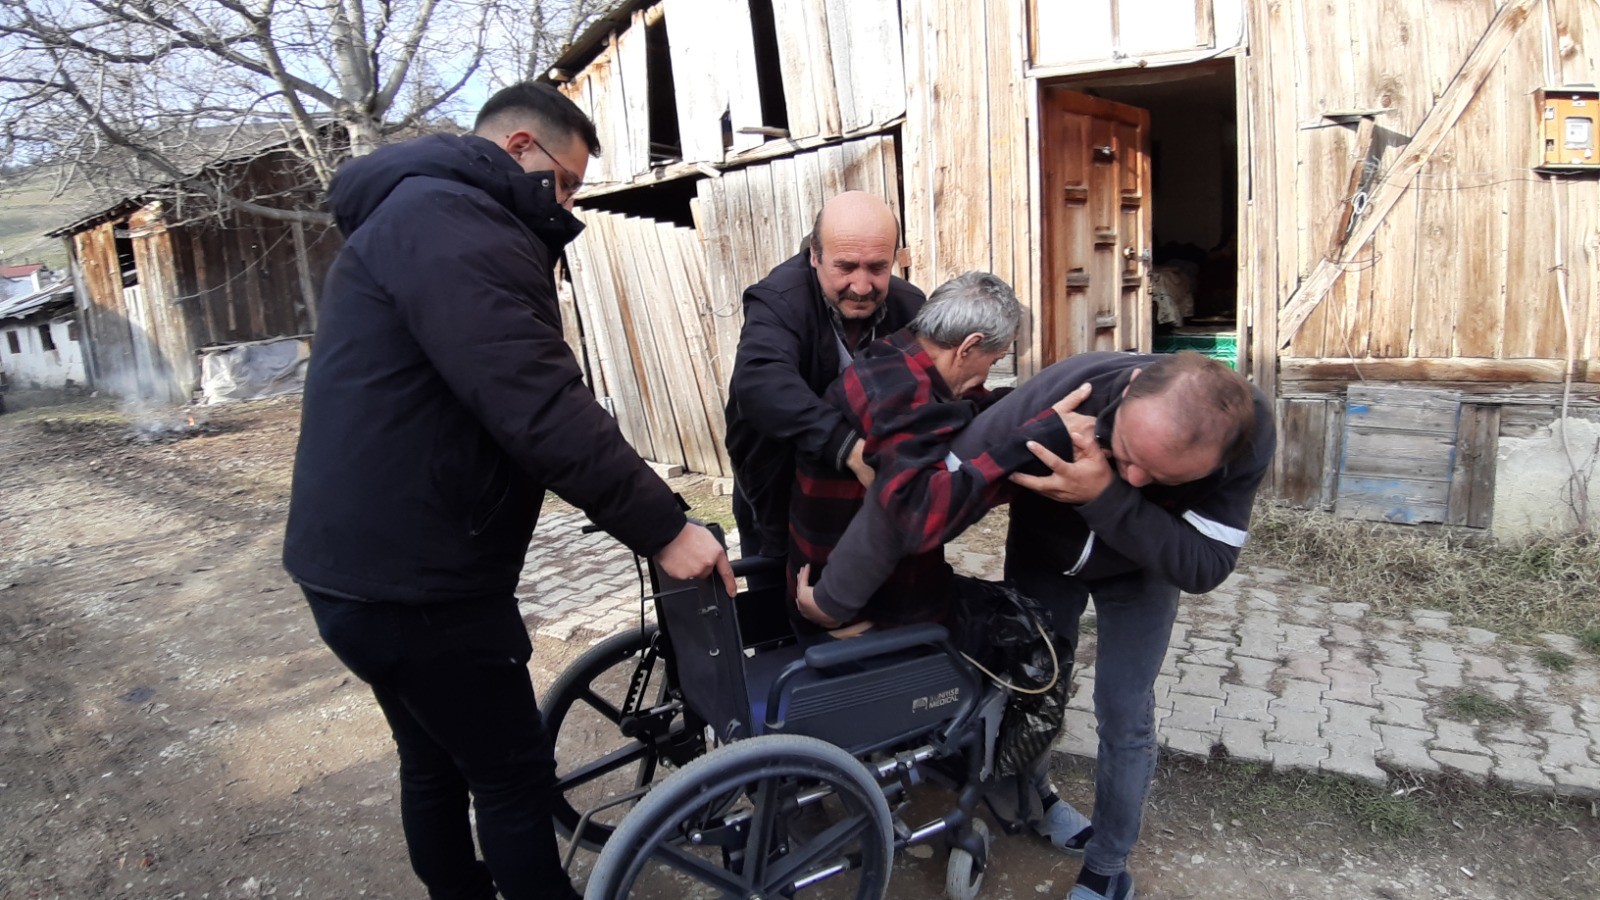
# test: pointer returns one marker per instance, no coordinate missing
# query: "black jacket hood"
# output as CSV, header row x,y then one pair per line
x,y
362,184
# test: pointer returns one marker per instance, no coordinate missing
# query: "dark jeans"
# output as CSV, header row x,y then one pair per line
x,y
1133,624
452,679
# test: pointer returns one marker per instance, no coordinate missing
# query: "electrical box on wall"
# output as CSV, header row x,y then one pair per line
x,y
1567,129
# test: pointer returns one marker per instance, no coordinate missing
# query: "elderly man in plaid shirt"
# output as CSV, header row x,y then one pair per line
x,y
907,397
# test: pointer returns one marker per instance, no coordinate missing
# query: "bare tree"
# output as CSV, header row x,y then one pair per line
x,y
127,94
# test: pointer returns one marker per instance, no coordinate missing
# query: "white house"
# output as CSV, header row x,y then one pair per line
x,y
39,340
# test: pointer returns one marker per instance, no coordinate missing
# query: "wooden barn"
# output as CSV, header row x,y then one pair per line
x,y
1385,213
159,281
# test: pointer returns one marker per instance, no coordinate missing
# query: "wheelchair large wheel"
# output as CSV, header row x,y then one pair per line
x,y
604,749
732,822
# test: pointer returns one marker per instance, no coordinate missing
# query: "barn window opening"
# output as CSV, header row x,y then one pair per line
x,y
125,261
45,339
769,75
12,342
666,142
72,331
666,201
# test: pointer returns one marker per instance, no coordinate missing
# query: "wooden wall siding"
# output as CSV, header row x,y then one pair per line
x,y
753,218
810,94
640,288
174,369
1075,31
1399,455
965,148
1460,263
840,66
1310,435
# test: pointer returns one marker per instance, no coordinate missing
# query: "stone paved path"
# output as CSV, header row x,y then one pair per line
x,y
1269,669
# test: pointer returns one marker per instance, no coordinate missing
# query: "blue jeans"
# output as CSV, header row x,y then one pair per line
x,y
452,679
1133,620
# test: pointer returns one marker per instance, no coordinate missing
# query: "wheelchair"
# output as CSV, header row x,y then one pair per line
x,y
721,755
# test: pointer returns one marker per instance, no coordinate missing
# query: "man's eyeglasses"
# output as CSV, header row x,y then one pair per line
x,y
569,182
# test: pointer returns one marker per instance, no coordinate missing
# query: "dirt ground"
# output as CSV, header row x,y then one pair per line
x,y
170,725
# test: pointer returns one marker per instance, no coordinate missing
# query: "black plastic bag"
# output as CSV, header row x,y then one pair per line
x,y
1008,634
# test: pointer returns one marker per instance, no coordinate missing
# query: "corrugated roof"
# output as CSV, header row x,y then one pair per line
x,y
22,271
18,307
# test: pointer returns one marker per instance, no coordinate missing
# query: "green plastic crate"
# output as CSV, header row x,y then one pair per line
x,y
1222,346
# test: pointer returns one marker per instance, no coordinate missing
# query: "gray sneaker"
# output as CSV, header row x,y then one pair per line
x,y
1065,828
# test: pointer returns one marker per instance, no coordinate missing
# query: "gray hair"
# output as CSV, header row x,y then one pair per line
x,y
974,303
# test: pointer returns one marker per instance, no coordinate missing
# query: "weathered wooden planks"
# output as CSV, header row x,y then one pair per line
x,y
1399,455
642,290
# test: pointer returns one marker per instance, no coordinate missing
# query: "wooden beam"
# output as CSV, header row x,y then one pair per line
x,y
1358,174
1429,135
1548,371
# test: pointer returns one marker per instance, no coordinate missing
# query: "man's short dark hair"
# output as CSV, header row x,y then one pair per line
x,y
554,112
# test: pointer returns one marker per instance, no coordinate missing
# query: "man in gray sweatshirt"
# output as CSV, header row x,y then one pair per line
x,y
1168,452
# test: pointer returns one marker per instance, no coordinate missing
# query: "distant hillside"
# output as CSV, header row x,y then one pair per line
x,y
28,210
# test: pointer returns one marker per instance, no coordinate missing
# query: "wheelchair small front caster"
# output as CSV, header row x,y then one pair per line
x,y
963,875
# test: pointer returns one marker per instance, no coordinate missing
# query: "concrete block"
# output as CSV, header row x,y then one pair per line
x,y
1200,680
1399,683
1286,755
1299,695
1348,610
1457,736
1252,672
1405,712
1430,619
1488,667
1582,781
1480,637
1557,717
1192,713
1296,726
1438,651
1347,635
1182,740
1305,668
1470,763
1406,748
1078,735
1247,703
1354,759
1440,674
1511,734
1309,614
1349,720
1351,687
1565,751
1517,768
1244,739
1395,653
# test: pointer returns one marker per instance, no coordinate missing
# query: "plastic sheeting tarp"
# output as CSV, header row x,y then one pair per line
x,y
254,370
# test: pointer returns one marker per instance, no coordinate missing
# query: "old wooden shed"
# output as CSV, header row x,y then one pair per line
x,y
1385,213
160,279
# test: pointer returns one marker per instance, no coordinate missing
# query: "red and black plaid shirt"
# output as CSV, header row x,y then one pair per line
x,y
907,417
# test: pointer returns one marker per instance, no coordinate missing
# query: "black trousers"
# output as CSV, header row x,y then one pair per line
x,y
452,679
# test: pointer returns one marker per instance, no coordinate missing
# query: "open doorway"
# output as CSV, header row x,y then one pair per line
x,y
1191,275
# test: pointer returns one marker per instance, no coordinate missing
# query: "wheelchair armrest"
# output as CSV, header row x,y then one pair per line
x,y
757,565
835,653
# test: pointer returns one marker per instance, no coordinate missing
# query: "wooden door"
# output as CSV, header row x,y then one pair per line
x,y
1095,173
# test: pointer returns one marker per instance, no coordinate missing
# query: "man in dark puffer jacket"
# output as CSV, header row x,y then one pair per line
x,y
441,404
803,324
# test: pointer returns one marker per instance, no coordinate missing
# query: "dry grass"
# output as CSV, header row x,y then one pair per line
x,y
1515,588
